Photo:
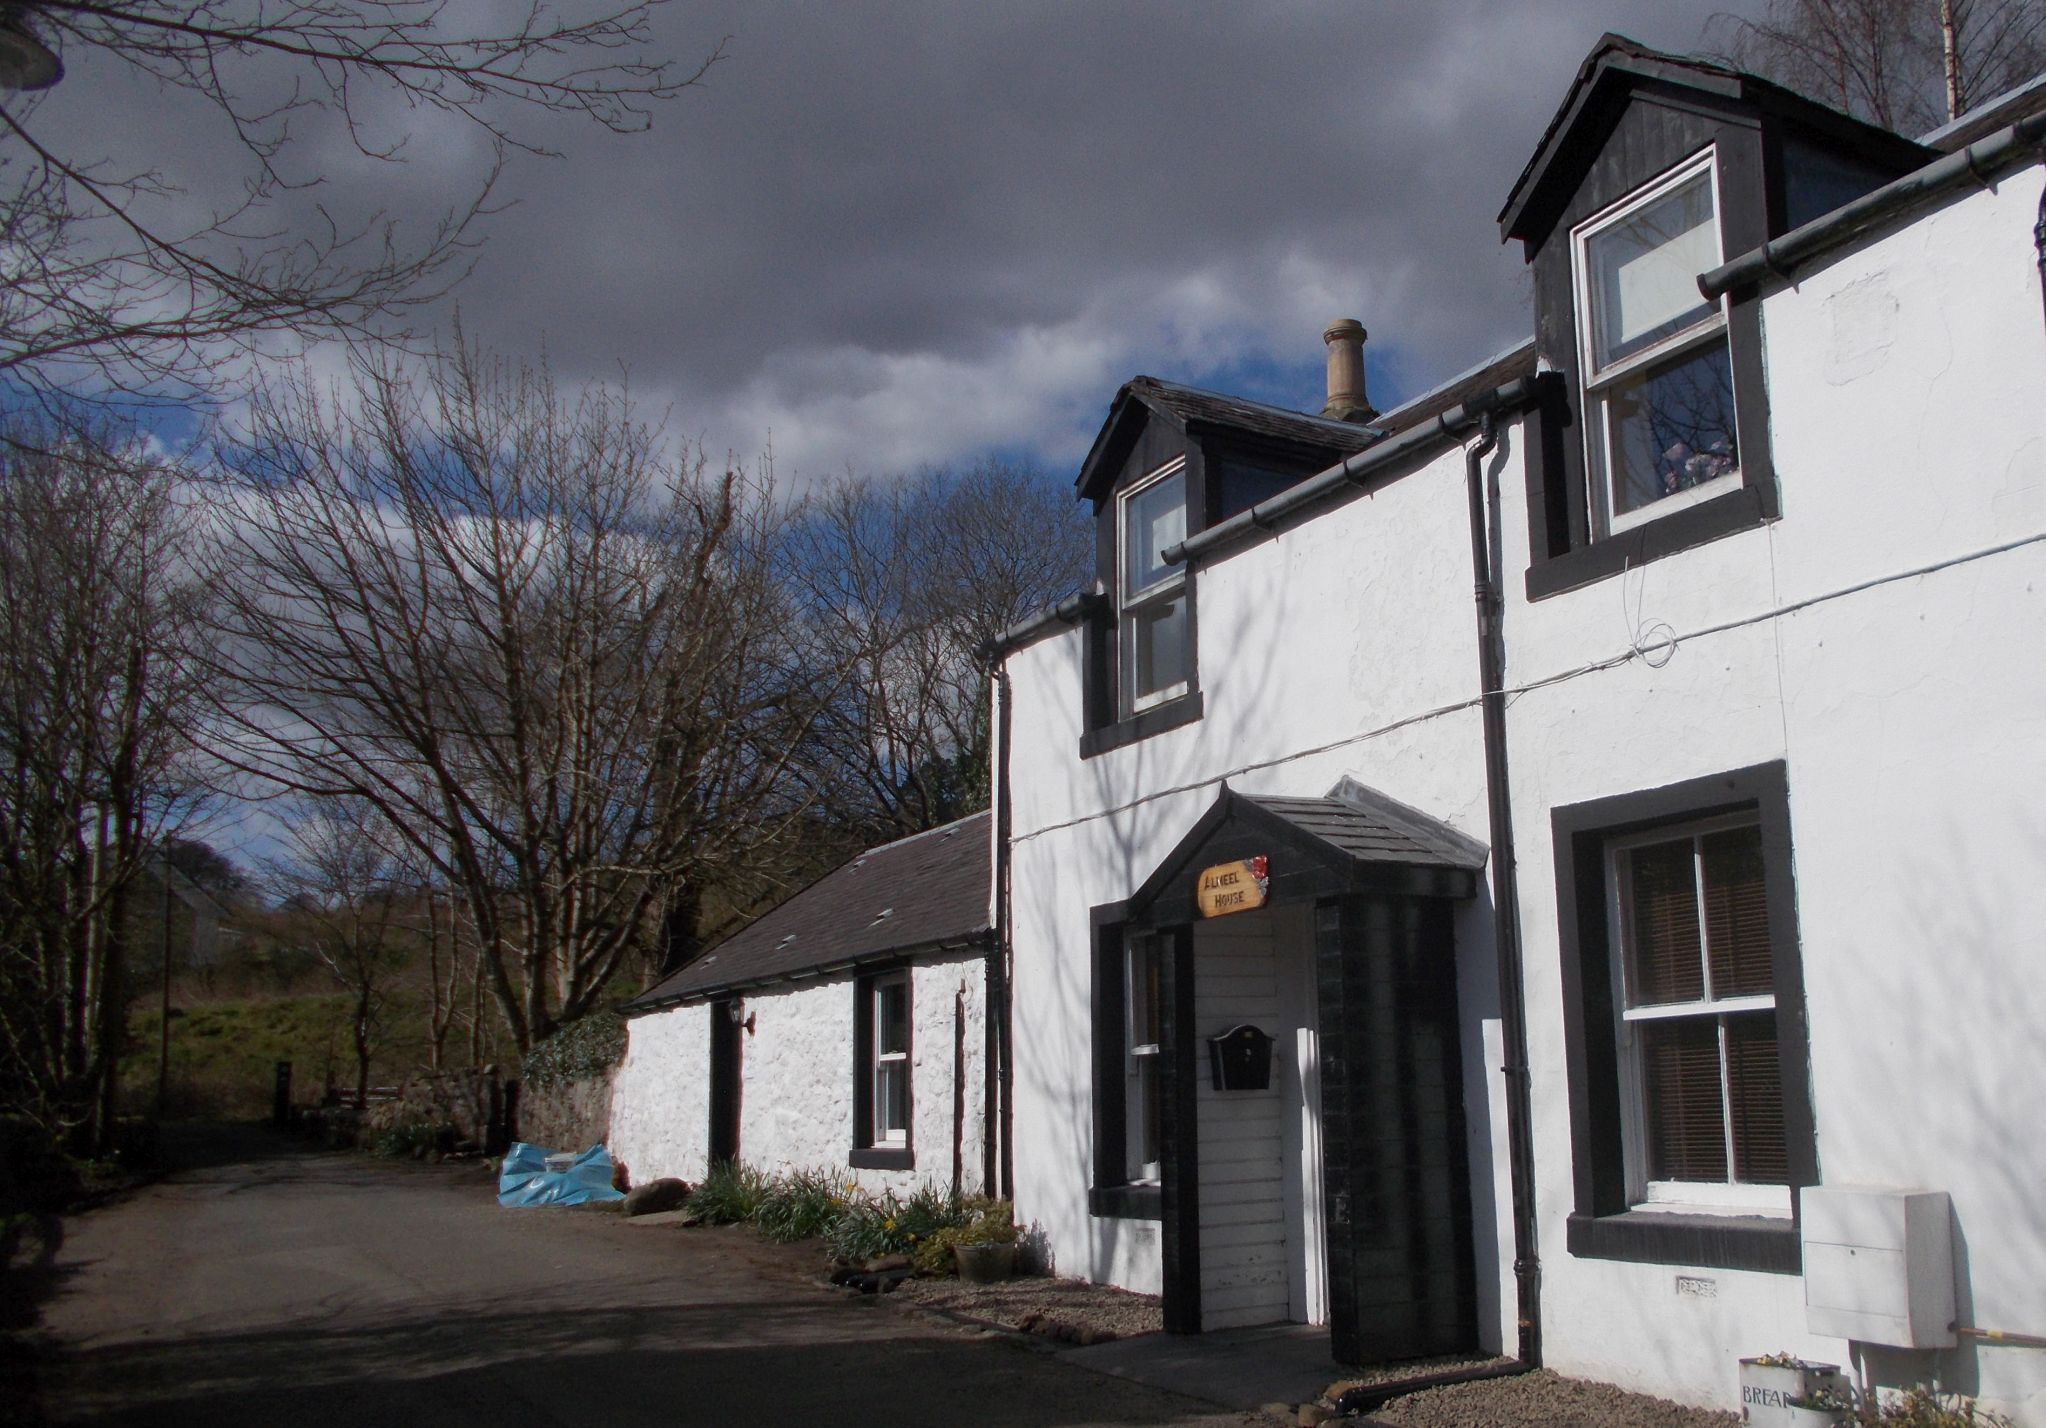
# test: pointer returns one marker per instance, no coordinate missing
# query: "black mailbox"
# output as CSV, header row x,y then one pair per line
x,y
1241,1059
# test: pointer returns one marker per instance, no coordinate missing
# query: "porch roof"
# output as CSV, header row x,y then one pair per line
x,y
1371,827
1352,839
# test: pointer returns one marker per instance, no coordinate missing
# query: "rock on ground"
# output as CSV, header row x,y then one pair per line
x,y
656,1196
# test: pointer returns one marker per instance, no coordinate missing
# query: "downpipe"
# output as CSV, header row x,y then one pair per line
x,y
2039,245
1001,1173
1505,901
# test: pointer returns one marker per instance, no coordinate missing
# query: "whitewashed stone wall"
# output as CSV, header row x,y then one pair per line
x,y
1905,384
1884,639
796,1102
660,1097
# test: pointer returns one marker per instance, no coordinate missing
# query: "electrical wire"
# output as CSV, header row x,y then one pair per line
x,y
1638,648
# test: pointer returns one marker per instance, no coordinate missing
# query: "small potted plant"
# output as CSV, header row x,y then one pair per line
x,y
1826,1406
985,1247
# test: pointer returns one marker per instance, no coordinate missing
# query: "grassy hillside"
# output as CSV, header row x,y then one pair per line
x,y
224,1054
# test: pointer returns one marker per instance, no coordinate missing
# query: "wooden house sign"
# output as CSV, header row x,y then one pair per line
x,y
1233,887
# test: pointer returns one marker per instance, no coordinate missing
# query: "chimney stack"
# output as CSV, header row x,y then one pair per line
x,y
1346,400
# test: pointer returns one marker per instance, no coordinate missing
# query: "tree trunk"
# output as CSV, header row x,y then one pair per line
x,y
362,1046
1950,54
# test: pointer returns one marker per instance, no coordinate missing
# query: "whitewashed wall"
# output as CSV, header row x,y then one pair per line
x,y
1907,384
1907,381
1351,636
660,1099
796,1103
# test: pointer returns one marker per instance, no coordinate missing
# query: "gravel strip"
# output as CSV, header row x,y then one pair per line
x,y
1410,1368
1544,1398
1067,1309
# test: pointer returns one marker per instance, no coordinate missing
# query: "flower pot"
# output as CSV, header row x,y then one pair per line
x,y
1767,1390
985,1264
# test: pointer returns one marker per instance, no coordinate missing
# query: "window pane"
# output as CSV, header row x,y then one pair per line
x,y
1153,519
1644,271
891,1098
1150,1107
1145,1002
1680,1089
1736,914
1671,427
1754,1081
1160,631
1662,944
891,1017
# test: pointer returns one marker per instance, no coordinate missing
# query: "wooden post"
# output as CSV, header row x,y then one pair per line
x,y
163,1028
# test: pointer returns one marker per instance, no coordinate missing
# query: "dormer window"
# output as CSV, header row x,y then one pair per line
x,y
1157,657
1658,385
1654,434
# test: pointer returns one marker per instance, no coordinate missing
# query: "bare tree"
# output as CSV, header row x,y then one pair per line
x,y
552,656
1908,65
111,280
97,611
903,582
343,895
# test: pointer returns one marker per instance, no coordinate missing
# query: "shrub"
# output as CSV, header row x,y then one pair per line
x,y
412,1139
981,1221
933,1256
924,1226
731,1193
865,1229
990,1222
586,1048
801,1205
927,1211
1920,1407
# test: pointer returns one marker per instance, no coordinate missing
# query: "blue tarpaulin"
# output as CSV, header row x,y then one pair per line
x,y
525,1178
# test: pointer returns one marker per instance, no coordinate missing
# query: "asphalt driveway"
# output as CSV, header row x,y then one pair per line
x,y
270,1284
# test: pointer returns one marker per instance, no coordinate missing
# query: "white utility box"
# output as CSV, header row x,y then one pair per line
x,y
1878,1265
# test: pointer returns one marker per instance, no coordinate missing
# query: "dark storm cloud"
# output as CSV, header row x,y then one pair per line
x,y
887,234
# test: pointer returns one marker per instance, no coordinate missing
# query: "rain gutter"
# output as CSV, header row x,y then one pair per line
x,y
1352,472
1979,163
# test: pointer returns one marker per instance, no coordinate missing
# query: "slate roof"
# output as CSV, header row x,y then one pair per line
x,y
1614,66
1989,116
1494,372
918,894
1373,828
1140,399
1192,405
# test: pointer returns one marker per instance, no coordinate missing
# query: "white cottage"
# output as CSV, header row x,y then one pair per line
x,y
1642,958
845,1030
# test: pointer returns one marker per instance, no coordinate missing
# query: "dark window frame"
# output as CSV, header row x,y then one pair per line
x,y
1134,604
1109,723
864,1153
1603,1224
1564,551
1110,1194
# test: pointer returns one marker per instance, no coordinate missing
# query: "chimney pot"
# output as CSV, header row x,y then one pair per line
x,y
1346,400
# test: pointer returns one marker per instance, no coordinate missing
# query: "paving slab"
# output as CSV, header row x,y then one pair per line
x,y
1240,1369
